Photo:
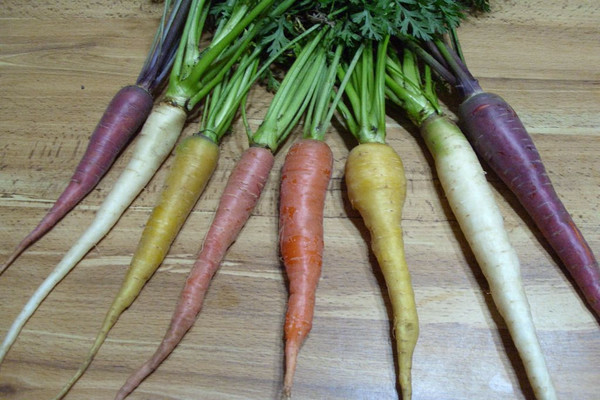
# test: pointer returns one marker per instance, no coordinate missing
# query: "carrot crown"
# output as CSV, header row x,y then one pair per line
x,y
164,46
406,88
293,95
363,112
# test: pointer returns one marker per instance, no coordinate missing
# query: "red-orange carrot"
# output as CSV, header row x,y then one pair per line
x,y
304,180
241,193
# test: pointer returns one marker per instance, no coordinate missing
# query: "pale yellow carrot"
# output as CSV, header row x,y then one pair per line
x,y
377,188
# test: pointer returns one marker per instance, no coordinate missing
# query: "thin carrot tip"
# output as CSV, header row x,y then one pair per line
x,y
286,393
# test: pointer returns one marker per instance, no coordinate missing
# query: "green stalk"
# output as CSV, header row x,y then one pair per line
x,y
318,114
293,96
364,114
196,72
227,95
222,104
326,100
404,87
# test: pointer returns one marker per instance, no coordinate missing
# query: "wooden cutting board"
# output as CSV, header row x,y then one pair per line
x,y
60,63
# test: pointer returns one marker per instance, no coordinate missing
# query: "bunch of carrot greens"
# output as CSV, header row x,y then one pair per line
x,y
352,57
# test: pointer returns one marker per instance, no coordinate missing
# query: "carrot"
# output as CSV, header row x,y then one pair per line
x,y
377,188
239,197
154,143
500,138
302,199
475,208
473,204
194,162
498,134
192,77
121,120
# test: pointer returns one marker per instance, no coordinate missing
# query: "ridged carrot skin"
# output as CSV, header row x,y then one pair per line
x,y
499,137
194,162
239,198
154,143
472,202
123,117
304,179
377,189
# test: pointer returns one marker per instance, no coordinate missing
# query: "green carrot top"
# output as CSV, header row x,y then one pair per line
x,y
197,71
293,94
408,89
363,112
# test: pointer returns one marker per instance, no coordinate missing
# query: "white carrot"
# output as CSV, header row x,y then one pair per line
x,y
156,140
472,201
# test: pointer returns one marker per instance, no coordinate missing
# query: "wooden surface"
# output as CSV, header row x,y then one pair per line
x,y
61,61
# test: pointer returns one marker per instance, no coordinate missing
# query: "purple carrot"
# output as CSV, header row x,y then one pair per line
x,y
124,115
240,195
122,119
500,138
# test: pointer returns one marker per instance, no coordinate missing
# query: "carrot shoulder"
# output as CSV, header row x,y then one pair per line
x,y
194,163
377,189
304,179
241,194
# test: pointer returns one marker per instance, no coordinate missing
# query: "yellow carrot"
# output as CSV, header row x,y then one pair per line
x,y
377,189
194,162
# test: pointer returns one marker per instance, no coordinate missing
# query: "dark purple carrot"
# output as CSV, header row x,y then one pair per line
x,y
241,193
500,138
498,135
124,115
122,119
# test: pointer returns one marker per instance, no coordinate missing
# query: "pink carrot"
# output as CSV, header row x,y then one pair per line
x,y
241,194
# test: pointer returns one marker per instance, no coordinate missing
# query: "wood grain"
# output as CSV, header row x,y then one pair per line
x,y
62,61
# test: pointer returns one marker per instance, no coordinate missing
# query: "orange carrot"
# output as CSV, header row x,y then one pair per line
x,y
243,190
304,179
